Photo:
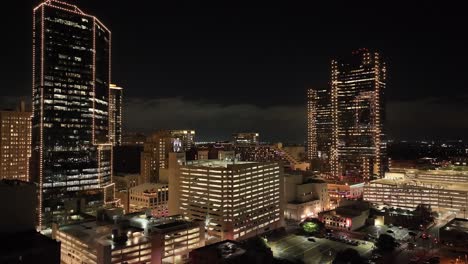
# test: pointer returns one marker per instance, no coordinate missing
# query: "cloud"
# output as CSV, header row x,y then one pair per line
x,y
215,121
428,118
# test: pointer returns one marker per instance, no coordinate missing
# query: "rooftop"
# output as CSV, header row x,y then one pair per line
x,y
148,187
416,183
458,224
216,163
226,249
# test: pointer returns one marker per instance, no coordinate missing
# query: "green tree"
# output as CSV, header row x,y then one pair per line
x,y
310,227
386,243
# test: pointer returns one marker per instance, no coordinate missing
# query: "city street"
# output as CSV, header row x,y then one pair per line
x,y
296,247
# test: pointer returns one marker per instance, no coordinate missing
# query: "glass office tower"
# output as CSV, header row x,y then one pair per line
x,y
72,152
358,114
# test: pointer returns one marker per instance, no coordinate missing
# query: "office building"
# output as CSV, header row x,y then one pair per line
x,y
15,144
246,138
183,140
338,190
305,197
132,238
71,147
115,114
22,243
319,127
235,200
154,156
133,139
150,197
358,83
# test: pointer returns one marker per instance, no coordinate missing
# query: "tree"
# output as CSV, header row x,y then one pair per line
x,y
425,214
348,256
310,227
386,243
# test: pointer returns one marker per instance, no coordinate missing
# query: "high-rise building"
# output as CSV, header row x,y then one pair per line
x,y
15,144
154,156
72,151
319,127
183,140
115,114
246,138
358,113
235,200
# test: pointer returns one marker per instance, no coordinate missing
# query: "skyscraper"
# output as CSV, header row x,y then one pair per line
x,y
115,114
358,113
319,127
15,144
72,152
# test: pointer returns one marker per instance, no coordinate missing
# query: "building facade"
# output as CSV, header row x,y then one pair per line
x,y
409,193
358,84
15,144
319,127
304,197
183,140
234,200
131,238
152,197
71,147
115,114
155,155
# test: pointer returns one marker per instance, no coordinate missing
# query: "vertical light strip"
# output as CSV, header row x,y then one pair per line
x,y
41,127
94,81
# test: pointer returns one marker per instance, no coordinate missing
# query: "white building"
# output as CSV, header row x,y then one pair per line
x,y
234,199
304,197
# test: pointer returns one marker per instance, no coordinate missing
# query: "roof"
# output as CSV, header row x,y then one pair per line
x,y
225,249
415,183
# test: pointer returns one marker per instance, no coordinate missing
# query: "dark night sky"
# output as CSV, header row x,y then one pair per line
x,y
225,67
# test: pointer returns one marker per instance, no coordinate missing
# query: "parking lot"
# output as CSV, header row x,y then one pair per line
x,y
323,250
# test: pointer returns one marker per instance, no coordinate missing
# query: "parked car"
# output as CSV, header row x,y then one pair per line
x,y
390,231
311,239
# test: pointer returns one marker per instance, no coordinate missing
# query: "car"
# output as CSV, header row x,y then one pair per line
x,y
390,225
311,239
390,231
400,227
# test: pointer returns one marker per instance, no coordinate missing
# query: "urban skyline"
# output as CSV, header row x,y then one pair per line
x,y
226,184
296,48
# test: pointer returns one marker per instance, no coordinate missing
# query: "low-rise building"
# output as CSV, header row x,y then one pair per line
x,y
304,197
350,215
149,196
442,196
131,238
343,190
455,234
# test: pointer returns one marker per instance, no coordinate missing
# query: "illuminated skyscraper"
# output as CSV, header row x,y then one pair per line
x,y
15,144
358,113
72,151
115,114
319,127
155,155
